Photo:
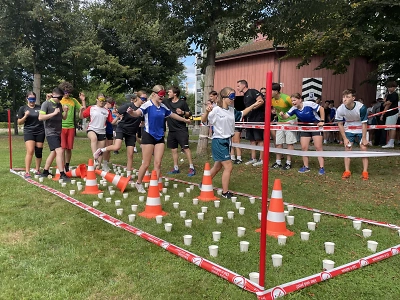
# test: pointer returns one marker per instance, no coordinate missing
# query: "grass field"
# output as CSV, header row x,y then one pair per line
x,y
50,249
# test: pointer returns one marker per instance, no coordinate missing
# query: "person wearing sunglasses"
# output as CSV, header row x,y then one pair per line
x,y
154,113
109,133
143,96
52,113
223,117
33,132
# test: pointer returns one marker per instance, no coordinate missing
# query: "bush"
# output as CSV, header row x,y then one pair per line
x,y
5,125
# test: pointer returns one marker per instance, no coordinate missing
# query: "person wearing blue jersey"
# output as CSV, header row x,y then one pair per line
x,y
154,113
223,117
307,112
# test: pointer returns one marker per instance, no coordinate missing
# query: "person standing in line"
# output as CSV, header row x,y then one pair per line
x,y
68,124
33,133
255,136
391,102
223,117
178,133
52,113
327,111
109,134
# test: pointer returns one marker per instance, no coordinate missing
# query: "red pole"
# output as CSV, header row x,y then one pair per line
x,y
9,137
267,126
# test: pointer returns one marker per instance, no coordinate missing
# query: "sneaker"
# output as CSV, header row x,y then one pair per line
x,y
27,176
388,146
251,161
140,188
276,166
65,178
227,195
286,167
364,175
346,174
321,171
192,172
304,169
116,152
45,174
238,162
174,171
97,154
106,168
37,172
259,163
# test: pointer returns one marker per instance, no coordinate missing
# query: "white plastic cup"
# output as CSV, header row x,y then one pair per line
x,y
125,195
259,216
40,179
110,188
282,239
117,202
238,205
286,212
134,207
181,194
79,183
159,219
175,185
329,247
317,217
372,245
328,264
216,236
311,226
290,220
72,192
188,190
168,227
357,224
200,216
195,201
120,211
141,198
64,184
276,260
112,192
219,192
73,181
252,200
213,249
217,203
108,199
254,277
60,181
230,214
182,213
128,173
95,203
166,184
233,199
49,176
241,210
219,220
146,185
305,236
290,207
104,184
79,187
131,217
204,209
367,232
187,240
241,231
164,190
244,246
37,177
176,204
166,179
188,223
191,187
167,197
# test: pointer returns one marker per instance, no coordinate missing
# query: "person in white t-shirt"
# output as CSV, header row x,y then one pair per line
x,y
223,117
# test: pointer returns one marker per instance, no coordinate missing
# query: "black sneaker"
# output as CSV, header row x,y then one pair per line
x,y
238,162
65,178
45,174
276,166
286,167
227,195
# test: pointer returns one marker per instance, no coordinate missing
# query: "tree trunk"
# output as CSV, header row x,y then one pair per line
x,y
36,86
15,109
208,87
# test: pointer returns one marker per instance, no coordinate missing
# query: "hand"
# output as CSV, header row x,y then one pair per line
x,y
56,111
381,118
82,97
26,113
320,124
65,108
179,111
347,143
129,110
282,114
258,103
364,142
187,121
209,108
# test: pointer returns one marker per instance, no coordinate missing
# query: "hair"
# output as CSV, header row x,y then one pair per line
x,y
209,101
176,90
391,84
156,89
263,88
276,87
296,95
100,95
244,82
59,91
66,86
332,101
28,93
349,92
140,93
224,93
110,100
214,93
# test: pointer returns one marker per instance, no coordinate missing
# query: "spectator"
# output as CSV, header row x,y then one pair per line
x,y
327,111
391,103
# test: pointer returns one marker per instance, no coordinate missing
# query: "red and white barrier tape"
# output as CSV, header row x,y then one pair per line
x,y
290,127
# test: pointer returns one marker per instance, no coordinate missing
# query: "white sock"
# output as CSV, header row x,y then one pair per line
x,y
391,142
232,157
191,166
288,162
176,168
239,157
278,161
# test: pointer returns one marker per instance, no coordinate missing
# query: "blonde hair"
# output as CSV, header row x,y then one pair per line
x,y
156,89
224,93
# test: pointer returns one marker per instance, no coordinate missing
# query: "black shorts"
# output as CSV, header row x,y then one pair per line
x,y
148,139
176,138
100,137
254,134
139,133
38,138
109,136
130,140
238,129
54,142
311,133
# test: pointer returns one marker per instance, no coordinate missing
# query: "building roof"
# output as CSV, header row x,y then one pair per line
x,y
253,48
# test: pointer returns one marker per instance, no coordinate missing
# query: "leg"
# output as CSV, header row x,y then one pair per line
x,y
261,143
38,154
318,147
226,175
253,152
304,142
101,144
347,159
147,153
175,156
59,159
50,160
364,159
188,154
93,143
117,145
158,155
30,149
215,169
129,157
236,139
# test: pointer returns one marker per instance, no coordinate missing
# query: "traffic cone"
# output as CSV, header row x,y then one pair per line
x,y
146,177
91,181
80,171
57,177
276,223
120,181
153,202
207,191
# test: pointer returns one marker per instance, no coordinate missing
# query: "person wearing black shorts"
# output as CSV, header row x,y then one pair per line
x,y
33,132
178,133
109,134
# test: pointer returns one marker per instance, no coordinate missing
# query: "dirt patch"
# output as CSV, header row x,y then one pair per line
x,y
16,237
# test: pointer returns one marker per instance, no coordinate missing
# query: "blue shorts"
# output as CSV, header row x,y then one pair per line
x,y
221,149
352,136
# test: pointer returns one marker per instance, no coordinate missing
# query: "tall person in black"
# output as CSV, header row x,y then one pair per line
x,y
391,104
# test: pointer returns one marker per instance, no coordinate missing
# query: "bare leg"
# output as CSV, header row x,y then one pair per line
x,y
30,149
158,155
147,153
215,169
129,158
364,159
226,175
318,147
304,142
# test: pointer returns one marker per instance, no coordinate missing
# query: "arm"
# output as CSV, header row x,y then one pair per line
x,y
343,134
134,113
322,114
258,103
65,112
179,118
43,116
82,97
283,115
364,140
204,117
23,119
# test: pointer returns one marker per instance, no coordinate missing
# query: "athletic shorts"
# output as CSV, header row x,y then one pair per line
x,y
109,136
130,140
311,133
176,138
38,138
353,136
67,138
54,142
148,139
139,133
221,149
254,134
238,129
285,137
391,120
100,137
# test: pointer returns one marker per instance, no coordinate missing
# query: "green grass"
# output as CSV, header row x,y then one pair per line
x,y
50,249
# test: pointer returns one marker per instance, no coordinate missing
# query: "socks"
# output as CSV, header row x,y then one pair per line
x,y
62,173
176,168
288,162
278,161
66,167
233,157
191,166
239,157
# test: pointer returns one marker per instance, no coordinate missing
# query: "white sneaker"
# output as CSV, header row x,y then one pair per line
x,y
106,168
259,163
250,162
140,188
388,146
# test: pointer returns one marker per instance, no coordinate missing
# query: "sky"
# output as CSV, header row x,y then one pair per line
x,y
190,72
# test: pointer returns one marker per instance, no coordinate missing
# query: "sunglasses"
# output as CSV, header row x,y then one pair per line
x,y
31,99
57,97
102,99
67,92
144,99
231,96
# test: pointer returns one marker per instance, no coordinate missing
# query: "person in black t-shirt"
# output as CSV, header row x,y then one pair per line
x,y
33,132
178,133
256,136
391,102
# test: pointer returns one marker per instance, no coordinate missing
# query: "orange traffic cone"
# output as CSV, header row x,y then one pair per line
x,y
207,191
276,224
80,171
120,181
153,202
91,181
146,177
57,177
